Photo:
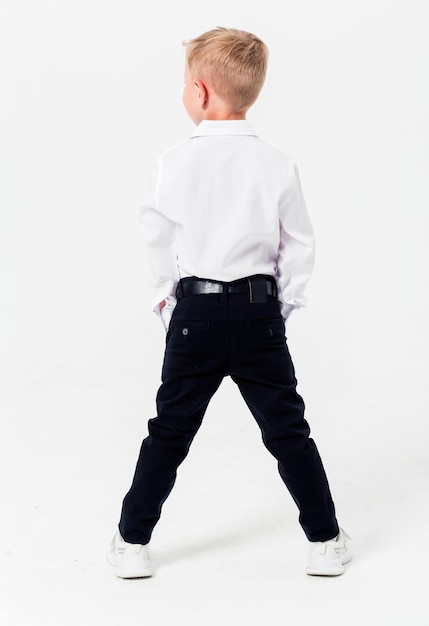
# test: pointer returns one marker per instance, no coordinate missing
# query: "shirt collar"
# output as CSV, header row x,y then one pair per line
x,y
223,127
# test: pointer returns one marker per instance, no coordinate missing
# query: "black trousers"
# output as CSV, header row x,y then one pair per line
x,y
212,336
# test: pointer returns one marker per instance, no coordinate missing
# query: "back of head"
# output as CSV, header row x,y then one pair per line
x,y
233,62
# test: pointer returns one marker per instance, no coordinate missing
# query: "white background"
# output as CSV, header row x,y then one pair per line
x,y
90,96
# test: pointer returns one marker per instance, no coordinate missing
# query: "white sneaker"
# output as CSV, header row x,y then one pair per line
x,y
327,558
131,560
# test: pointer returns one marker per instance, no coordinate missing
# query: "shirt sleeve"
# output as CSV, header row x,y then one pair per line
x,y
159,234
297,247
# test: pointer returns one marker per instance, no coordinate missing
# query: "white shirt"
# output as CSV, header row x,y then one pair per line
x,y
224,205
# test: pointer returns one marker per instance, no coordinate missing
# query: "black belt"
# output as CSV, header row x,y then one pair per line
x,y
258,287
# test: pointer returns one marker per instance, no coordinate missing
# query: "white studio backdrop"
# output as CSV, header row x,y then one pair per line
x,y
90,96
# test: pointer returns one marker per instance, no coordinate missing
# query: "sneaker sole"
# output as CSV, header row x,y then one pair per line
x,y
142,570
335,570
133,573
325,572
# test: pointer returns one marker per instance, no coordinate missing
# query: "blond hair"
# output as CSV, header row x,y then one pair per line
x,y
233,62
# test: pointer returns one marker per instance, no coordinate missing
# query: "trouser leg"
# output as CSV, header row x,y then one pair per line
x,y
264,372
192,371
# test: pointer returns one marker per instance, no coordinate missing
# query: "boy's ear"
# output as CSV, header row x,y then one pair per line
x,y
202,93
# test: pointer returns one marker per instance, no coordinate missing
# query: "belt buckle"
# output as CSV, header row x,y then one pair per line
x,y
210,286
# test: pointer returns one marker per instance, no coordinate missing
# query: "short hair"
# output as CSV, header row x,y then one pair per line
x,y
233,62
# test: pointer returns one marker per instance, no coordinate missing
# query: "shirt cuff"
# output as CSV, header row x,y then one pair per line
x,y
166,312
286,310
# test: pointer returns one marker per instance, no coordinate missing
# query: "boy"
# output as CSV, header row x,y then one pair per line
x,y
231,249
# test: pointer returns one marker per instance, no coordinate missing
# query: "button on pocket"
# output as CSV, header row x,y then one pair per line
x,y
268,328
